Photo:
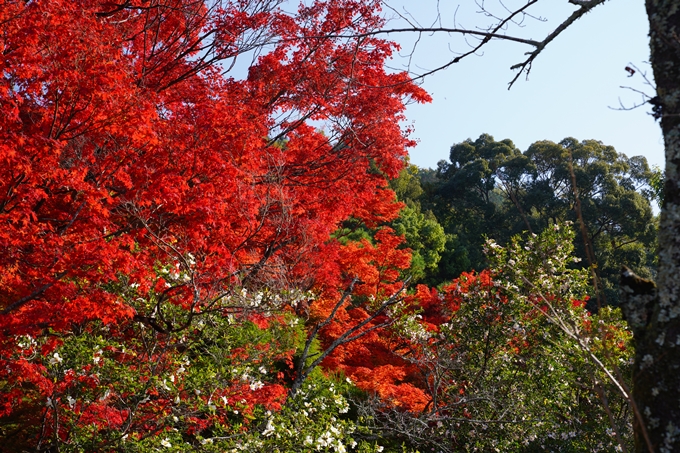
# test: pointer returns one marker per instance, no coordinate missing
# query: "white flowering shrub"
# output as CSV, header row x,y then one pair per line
x,y
517,364
316,419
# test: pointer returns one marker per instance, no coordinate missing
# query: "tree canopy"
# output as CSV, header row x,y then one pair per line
x,y
489,188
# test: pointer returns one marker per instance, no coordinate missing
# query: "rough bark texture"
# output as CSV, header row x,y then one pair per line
x,y
656,313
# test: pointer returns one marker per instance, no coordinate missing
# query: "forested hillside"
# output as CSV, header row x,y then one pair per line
x,y
191,260
491,189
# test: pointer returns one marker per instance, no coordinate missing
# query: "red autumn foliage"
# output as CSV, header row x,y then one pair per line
x,y
123,146
127,149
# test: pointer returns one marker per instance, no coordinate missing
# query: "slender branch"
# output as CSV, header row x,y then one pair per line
x,y
348,336
587,243
618,383
301,376
487,35
612,421
585,7
24,300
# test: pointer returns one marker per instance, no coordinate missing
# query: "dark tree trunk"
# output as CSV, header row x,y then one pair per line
x,y
654,314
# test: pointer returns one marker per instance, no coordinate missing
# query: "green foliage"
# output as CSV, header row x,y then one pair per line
x,y
558,380
407,185
219,385
467,199
425,237
656,183
353,230
489,188
423,234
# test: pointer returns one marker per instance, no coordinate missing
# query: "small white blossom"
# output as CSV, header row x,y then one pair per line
x,y
56,358
269,429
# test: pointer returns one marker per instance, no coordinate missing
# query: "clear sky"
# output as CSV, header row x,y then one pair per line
x,y
570,90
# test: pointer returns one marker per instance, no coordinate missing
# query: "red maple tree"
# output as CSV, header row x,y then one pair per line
x,y
133,165
123,146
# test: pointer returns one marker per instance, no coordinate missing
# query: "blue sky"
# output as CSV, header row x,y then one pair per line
x,y
569,91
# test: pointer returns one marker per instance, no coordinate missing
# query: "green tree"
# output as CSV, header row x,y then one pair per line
x,y
466,199
421,230
615,203
489,188
426,239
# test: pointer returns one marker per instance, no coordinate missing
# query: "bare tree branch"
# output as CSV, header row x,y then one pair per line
x,y
348,336
24,300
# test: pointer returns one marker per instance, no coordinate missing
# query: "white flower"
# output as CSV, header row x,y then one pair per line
x,y
25,342
106,394
256,385
379,448
647,360
166,443
263,370
269,429
56,358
